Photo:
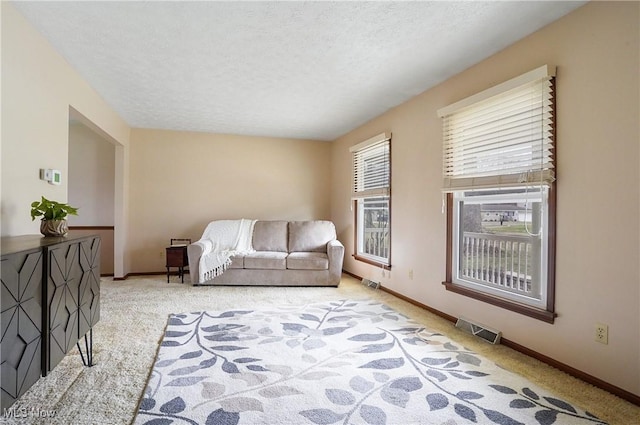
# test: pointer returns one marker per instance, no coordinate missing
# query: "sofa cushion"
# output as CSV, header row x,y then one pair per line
x,y
237,262
308,261
305,236
273,260
270,236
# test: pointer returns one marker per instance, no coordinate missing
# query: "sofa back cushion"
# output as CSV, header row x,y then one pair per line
x,y
310,236
270,236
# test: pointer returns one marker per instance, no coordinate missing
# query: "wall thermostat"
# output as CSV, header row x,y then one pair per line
x,y
52,176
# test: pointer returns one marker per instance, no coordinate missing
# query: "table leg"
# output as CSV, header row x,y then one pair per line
x,y
88,344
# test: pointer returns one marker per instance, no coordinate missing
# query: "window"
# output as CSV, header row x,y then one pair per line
x,y
499,176
371,195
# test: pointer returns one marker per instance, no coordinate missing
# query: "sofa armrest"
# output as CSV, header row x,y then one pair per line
x,y
194,252
335,252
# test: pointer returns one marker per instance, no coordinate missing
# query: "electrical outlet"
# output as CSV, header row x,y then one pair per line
x,y
602,333
411,274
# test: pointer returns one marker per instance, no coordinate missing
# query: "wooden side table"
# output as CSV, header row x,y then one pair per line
x,y
177,257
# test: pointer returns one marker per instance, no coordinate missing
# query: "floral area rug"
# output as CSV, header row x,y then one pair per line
x,y
341,362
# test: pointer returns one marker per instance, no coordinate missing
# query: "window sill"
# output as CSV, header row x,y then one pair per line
x,y
544,315
385,266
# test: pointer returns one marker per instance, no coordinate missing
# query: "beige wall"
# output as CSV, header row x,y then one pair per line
x,y
91,188
106,247
39,89
596,51
91,178
181,181
170,184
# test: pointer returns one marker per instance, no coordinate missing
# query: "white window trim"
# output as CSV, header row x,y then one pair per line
x,y
359,242
540,302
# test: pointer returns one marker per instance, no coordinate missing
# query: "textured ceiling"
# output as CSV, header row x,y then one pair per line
x,y
308,70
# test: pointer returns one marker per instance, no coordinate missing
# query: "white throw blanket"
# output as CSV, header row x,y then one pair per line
x,y
222,240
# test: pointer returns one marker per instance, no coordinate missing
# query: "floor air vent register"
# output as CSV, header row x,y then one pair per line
x,y
481,331
370,283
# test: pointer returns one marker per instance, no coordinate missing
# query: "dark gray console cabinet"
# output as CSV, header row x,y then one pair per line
x,y
21,320
50,300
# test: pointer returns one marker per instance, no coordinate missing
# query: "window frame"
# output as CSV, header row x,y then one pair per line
x,y
547,312
359,193
489,282
363,257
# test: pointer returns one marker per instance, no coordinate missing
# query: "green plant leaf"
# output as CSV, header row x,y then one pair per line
x,y
51,210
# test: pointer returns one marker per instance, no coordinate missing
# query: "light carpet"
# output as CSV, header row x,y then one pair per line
x,y
134,314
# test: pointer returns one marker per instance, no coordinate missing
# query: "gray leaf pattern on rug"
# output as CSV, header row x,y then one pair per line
x,y
339,362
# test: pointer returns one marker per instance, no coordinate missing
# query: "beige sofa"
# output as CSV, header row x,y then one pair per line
x,y
287,253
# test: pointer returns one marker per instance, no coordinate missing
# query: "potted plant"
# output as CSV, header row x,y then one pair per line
x,y
54,216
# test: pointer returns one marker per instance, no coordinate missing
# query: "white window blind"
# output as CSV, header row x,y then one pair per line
x,y
372,167
501,137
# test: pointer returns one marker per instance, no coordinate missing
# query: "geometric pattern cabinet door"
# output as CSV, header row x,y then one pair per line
x,y
21,351
89,297
63,288
50,299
